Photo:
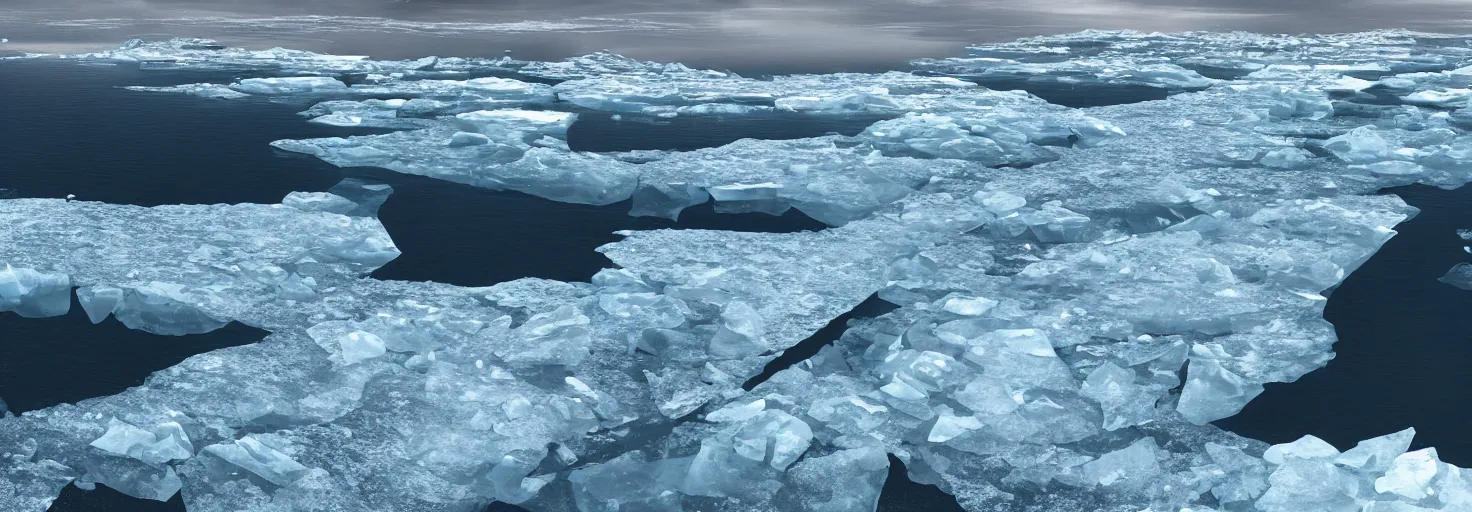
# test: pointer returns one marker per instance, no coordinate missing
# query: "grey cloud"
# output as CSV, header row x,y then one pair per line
x,y
753,35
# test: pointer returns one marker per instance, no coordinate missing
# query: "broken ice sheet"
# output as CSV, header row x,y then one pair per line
x,y
1073,326
477,352
227,261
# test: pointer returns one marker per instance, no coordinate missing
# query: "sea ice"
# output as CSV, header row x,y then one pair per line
x,y
1079,292
1089,72
295,85
211,91
225,261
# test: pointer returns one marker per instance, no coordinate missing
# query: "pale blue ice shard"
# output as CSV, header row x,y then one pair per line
x,y
100,301
256,458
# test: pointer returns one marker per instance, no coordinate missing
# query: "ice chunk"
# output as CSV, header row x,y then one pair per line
x,y
1122,71
1394,168
1411,474
99,301
463,139
999,202
1448,98
211,91
366,195
1306,447
1307,484
992,138
1116,391
660,310
294,287
736,412
1460,276
740,334
358,346
948,427
1375,455
969,306
167,308
508,159
319,202
1246,476
132,478
492,122
849,414
1286,158
626,483
165,442
1213,392
34,294
225,262
561,336
289,85
1134,466
510,480
1020,355
1360,145
843,481
749,198
1055,224
770,439
667,200
122,437
256,458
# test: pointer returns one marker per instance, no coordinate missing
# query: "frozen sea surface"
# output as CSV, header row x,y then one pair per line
x,y
1078,293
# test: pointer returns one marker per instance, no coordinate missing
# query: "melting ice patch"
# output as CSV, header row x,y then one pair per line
x,y
1080,292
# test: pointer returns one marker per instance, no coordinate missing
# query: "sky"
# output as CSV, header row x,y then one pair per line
x,y
765,35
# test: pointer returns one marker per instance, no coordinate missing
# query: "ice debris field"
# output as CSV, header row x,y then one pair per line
x,y
1080,292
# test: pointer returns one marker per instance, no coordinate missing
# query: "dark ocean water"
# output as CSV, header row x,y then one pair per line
x,y
68,129
1404,342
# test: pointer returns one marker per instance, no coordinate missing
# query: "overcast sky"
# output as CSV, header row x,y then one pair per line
x,y
776,35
